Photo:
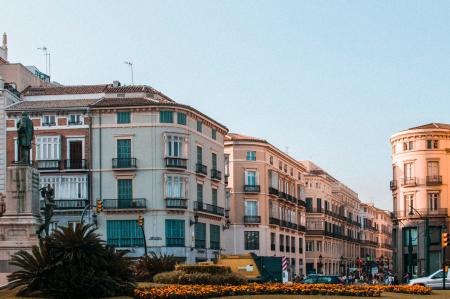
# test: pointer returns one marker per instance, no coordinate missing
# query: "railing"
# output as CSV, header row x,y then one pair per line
x,y
409,182
66,204
301,228
393,184
212,209
118,163
252,219
48,124
176,203
273,191
126,242
74,123
201,169
47,164
301,202
282,194
200,243
251,188
434,180
216,174
175,242
129,203
369,243
273,220
314,232
75,164
419,213
176,162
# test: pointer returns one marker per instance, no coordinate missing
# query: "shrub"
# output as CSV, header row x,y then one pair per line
x,y
168,277
210,269
181,277
148,266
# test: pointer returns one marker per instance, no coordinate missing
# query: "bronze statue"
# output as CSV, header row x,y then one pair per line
x,y
25,133
48,193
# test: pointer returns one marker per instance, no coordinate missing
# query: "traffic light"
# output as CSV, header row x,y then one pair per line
x,y
99,206
444,240
141,221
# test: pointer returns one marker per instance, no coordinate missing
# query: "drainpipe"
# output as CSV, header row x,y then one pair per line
x,y
100,152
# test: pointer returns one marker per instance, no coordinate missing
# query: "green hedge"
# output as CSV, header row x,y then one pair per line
x,y
210,269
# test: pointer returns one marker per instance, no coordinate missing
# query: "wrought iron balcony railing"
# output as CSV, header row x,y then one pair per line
x,y
180,163
393,185
252,219
66,204
208,208
47,164
128,203
118,163
75,164
201,169
273,191
176,203
409,182
251,188
434,180
216,175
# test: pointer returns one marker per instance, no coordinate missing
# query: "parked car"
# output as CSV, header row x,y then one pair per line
x,y
434,280
328,279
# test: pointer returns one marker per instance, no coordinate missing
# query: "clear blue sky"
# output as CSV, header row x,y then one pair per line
x,y
331,80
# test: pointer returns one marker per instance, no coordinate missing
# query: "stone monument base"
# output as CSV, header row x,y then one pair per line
x,y
21,220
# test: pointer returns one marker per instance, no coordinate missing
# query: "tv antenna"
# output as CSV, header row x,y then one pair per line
x,y
47,59
131,69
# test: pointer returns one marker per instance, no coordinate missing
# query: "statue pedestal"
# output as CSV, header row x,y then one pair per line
x,y
21,220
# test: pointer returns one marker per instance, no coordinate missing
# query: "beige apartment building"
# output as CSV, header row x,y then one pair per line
x,y
333,223
420,169
369,242
383,224
266,201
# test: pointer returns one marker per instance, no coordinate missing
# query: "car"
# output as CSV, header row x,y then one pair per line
x,y
328,279
433,281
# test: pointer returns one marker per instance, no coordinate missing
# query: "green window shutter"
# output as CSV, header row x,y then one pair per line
x,y
165,116
199,155
124,233
213,134
214,197
199,126
214,236
200,235
199,192
214,160
124,152
181,118
174,233
124,193
123,117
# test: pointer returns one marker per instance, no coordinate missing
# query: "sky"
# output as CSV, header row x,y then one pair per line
x,y
328,81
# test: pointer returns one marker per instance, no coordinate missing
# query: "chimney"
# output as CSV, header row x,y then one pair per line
x,y
116,83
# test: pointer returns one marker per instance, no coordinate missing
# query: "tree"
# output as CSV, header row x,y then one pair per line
x,y
72,263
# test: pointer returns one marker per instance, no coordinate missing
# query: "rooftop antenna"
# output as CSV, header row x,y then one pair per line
x,y
47,59
131,69
287,149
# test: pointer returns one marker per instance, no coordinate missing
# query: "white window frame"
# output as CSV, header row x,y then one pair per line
x,y
40,147
433,199
246,177
66,186
75,114
49,116
69,139
247,204
184,142
184,188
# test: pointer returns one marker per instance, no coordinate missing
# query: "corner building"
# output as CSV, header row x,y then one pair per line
x,y
420,169
265,194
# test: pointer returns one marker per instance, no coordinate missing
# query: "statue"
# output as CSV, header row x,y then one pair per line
x,y
25,132
48,193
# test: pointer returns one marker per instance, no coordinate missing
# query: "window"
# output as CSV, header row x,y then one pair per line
x,y
123,117
123,233
251,208
319,246
251,240
214,197
124,153
411,145
74,119
280,165
432,144
214,161
292,172
166,116
174,233
66,187
175,146
281,242
199,126
300,245
48,120
181,118
409,202
200,235
408,171
271,160
214,236
435,235
176,186
433,169
251,178
409,236
48,147
288,244
251,156
433,201
199,155
213,133
293,244
272,241
309,245
199,192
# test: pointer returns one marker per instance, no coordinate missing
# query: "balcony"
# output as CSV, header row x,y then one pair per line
x,y
180,163
283,195
126,242
301,203
67,204
201,169
274,221
49,124
216,175
125,204
176,203
409,182
315,232
47,164
301,228
123,163
442,212
252,219
273,191
74,123
434,180
208,208
75,164
393,185
251,188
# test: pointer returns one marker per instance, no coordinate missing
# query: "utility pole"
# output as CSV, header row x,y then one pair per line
x,y
131,69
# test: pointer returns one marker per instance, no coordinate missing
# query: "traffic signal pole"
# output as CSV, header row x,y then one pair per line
x,y
444,241
141,224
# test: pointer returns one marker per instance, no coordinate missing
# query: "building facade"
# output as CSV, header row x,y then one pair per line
x,y
383,224
420,169
265,196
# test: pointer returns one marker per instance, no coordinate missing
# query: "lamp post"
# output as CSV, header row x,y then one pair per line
x,y
341,264
320,264
427,238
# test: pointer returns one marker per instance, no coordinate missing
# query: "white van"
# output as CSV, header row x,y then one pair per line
x,y
434,280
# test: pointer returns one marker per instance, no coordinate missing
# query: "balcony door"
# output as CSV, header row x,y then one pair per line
x,y
124,153
124,193
75,154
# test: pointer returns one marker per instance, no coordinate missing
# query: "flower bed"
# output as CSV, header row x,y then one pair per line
x,y
209,291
